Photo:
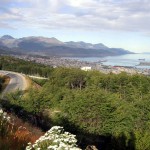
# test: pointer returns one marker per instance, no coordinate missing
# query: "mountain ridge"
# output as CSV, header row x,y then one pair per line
x,y
54,47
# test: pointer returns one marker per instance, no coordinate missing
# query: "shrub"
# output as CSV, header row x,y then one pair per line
x,y
55,139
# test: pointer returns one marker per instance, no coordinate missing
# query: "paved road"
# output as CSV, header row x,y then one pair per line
x,y
17,82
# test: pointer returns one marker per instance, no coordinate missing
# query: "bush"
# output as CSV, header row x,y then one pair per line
x,y
55,139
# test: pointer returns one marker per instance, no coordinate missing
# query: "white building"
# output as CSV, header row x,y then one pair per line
x,y
86,68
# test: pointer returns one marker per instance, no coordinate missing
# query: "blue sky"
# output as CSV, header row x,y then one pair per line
x,y
115,23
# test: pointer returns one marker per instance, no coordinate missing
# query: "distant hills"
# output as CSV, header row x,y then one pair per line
x,y
54,47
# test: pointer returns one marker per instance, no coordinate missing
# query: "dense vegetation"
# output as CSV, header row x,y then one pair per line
x,y
26,67
15,134
1,82
110,111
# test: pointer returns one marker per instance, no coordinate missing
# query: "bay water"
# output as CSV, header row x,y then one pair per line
x,y
132,60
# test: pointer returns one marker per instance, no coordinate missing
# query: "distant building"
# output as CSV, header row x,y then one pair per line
x,y
86,68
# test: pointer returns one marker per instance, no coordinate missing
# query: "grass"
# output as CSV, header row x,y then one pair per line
x,y
16,134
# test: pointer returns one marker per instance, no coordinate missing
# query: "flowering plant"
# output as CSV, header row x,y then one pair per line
x,y
55,139
4,123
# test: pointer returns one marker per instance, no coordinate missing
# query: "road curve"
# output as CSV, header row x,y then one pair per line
x,y
17,82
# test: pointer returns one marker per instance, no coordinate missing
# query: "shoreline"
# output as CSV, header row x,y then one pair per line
x,y
144,64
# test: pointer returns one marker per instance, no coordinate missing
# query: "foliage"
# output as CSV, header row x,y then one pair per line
x,y
1,82
114,107
40,82
18,65
11,136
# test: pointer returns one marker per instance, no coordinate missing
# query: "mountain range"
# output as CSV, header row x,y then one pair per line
x,y
54,47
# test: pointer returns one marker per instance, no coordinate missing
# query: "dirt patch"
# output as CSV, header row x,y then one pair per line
x,y
28,82
32,84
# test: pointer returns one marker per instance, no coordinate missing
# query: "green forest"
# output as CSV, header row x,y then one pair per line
x,y
107,110
27,67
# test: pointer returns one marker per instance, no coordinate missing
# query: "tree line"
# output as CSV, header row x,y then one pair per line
x,y
22,66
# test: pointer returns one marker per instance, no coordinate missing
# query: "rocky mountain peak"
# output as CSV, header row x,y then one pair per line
x,y
6,37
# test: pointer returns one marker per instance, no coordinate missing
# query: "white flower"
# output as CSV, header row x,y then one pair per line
x,y
55,139
1,111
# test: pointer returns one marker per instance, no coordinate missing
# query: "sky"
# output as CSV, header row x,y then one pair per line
x,y
115,23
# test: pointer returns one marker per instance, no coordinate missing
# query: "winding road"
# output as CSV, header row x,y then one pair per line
x,y
17,82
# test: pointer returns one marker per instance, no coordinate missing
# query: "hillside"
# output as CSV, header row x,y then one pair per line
x,y
54,47
106,110
6,51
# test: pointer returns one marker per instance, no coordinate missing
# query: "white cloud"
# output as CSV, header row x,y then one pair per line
x,y
127,15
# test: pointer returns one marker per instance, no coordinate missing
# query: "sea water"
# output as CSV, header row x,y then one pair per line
x,y
132,60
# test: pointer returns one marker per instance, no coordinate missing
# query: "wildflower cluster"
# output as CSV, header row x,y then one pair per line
x,y
3,116
4,123
55,139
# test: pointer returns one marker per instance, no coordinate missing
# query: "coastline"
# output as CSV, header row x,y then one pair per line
x,y
84,64
144,64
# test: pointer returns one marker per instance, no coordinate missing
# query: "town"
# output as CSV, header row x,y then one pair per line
x,y
83,65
